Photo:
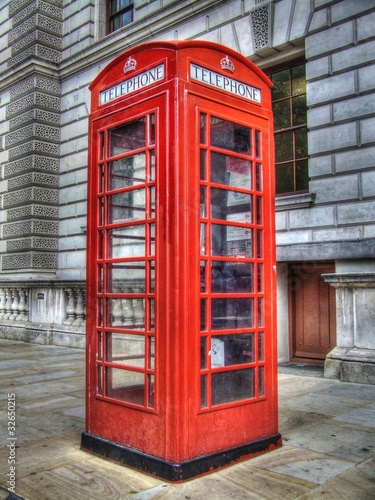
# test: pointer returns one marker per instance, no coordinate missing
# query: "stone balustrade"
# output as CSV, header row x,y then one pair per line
x,y
43,302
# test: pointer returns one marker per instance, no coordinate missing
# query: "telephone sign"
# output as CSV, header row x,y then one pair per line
x,y
181,319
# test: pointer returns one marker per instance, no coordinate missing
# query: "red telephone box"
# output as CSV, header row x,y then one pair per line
x,y
181,337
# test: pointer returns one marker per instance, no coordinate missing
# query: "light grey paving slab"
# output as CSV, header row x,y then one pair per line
x,y
315,470
41,389
338,440
54,402
361,416
76,412
29,379
348,390
66,357
324,404
17,363
29,428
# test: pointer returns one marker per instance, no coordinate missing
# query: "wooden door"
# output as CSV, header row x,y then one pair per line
x,y
312,312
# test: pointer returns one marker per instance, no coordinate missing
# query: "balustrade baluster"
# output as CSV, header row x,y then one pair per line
x,y
8,303
79,309
70,307
2,303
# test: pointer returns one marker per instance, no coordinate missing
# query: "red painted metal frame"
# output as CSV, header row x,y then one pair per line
x,y
177,429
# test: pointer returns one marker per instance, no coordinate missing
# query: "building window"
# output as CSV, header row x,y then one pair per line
x,y
120,14
290,117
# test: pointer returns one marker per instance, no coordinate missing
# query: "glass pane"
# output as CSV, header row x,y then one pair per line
x,y
127,17
233,241
203,166
101,211
284,146
281,110
151,325
203,126
126,313
231,386
260,277
151,248
259,244
302,175
101,145
127,277
281,84
125,385
100,279
128,137
261,381
127,241
299,110
223,201
227,350
129,205
259,177
261,346
260,312
152,165
231,171
100,380
151,391
299,79
258,144
152,197
99,350
127,171
152,129
259,215
203,315
284,178
229,135
151,276
116,23
100,244
231,313
126,349
151,353
100,312
203,211
203,269
204,391
203,239
231,277
101,180
301,143
203,353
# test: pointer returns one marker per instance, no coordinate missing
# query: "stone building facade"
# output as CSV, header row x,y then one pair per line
x,y
51,50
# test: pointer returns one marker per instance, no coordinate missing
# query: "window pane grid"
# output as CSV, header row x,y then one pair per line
x,y
231,175
126,309
120,14
290,119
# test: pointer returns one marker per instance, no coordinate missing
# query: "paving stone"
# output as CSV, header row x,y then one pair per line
x,y
327,427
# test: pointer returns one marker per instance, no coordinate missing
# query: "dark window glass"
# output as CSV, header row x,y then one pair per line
x,y
290,119
120,14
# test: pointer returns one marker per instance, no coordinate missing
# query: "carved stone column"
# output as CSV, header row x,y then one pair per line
x,y
33,141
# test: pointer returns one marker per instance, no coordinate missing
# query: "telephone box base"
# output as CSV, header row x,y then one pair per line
x,y
176,471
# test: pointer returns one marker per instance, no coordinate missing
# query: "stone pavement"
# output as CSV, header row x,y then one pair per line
x,y
328,430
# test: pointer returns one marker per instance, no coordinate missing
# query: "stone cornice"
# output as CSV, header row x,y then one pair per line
x,y
350,280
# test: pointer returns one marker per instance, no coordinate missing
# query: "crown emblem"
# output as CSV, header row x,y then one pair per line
x,y
226,63
130,65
